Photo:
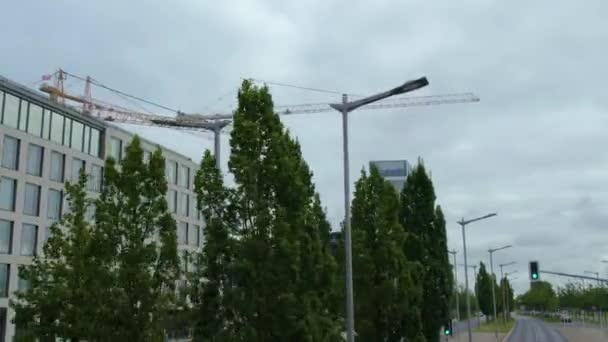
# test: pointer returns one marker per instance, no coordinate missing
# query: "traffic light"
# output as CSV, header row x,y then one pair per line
x,y
534,275
447,328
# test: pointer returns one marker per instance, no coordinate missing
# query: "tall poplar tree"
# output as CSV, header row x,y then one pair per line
x,y
215,313
280,270
383,279
483,291
427,245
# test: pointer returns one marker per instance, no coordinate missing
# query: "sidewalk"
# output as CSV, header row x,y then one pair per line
x,y
579,334
478,337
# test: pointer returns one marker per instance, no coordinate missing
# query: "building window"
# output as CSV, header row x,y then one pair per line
x,y
57,166
94,147
34,160
200,237
23,115
87,139
11,111
6,236
31,205
116,148
171,172
47,234
172,201
46,125
67,131
10,153
4,276
193,235
29,235
182,233
34,123
57,128
77,135
95,178
193,210
184,176
8,187
184,206
55,200
23,285
77,165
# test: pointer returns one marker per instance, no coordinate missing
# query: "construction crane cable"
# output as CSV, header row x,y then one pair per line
x,y
97,83
298,87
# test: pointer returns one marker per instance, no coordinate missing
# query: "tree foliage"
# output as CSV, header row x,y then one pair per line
x,y
280,270
67,283
540,297
572,296
215,311
426,244
111,279
462,303
483,291
383,277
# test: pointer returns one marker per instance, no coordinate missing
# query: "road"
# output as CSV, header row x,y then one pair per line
x,y
533,330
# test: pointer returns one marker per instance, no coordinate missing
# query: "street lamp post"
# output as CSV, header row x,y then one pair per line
x,y
346,107
502,290
453,252
463,223
505,303
491,251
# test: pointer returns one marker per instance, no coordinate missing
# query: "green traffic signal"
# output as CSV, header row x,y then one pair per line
x,y
446,332
534,270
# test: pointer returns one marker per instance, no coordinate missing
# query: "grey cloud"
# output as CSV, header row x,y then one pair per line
x,y
532,149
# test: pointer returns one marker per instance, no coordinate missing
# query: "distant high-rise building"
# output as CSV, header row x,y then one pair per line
x,y
394,171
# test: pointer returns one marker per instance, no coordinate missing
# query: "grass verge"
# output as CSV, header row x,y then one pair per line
x,y
500,325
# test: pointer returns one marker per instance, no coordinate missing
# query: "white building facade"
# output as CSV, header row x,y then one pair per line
x,y
43,145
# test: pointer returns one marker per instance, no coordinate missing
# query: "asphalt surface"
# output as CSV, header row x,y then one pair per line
x,y
533,330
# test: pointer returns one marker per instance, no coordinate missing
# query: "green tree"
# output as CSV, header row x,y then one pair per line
x,y
383,273
483,291
68,285
504,297
540,297
215,311
284,274
140,235
462,304
426,244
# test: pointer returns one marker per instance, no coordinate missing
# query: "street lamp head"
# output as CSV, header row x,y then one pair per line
x,y
492,250
410,86
464,222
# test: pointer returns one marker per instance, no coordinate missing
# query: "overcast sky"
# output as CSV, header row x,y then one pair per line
x,y
534,149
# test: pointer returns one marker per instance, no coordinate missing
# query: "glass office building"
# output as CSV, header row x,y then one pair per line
x,y
43,145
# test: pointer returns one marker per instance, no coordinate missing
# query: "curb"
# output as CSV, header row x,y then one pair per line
x,y
506,338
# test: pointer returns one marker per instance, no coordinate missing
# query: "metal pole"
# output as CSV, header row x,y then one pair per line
x,y
493,292
350,312
217,130
456,281
502,292
466,279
